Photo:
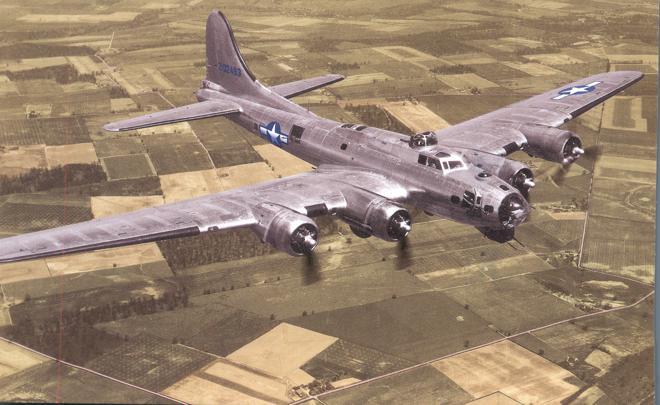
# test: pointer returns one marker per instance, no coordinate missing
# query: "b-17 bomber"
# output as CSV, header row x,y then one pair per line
x,y
365,176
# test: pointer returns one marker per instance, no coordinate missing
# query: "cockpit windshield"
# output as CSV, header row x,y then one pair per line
x,y
442,161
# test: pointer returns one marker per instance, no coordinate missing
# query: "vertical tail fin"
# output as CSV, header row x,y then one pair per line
x,y
224,64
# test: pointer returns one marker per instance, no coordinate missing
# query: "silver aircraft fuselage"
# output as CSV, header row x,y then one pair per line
x,y
436,191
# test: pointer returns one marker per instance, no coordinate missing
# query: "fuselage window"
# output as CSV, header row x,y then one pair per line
x,y
360,127
347,125
422,160
343,146
444,166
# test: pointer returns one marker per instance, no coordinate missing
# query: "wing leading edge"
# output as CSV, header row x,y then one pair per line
x,y
498,131
292,89
197,111
309,194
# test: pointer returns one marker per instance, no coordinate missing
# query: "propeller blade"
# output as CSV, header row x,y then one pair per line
x,y
311,270
560,175
403,254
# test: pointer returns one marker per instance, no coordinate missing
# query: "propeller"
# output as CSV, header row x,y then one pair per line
x,y
557,174
403,254
311,270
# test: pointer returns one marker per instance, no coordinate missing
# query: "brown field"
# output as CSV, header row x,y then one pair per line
x,y
244,175
496,398
105,259
14,359
266,385
623,163
178,128
7,86
84,64
624,113
120,105
534,69
118,16
553,59
17,160
180,186
32,63
103,206
68,154
282,351
28,270
366,78
592,119
589,396
417,117
5,316
197,390
128,166
158,78
570,215
466,81
510,369
470,59
283,163
492,270
408,54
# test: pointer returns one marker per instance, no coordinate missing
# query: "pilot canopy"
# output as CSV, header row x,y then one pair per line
x,y
447,162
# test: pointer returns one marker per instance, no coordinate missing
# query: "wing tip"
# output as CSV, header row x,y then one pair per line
x,y
112,127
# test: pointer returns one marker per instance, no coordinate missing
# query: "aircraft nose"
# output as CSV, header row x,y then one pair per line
x,y
513,210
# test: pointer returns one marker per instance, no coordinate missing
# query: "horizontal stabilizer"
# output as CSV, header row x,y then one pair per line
x,y
292,89
197,111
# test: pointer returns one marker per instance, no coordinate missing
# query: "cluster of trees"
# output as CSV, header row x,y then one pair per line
x,y
212,247
63,74
452,69
341,67
320,44
28,50
40,179
436,44
71,335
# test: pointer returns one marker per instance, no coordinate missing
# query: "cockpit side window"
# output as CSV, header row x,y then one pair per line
x,y
455,164
433,162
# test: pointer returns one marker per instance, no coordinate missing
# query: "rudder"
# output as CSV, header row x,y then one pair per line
x,y
224,63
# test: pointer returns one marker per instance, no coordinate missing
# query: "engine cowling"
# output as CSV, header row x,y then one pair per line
x,y
512,171
517,174
290,232
380,218
556,145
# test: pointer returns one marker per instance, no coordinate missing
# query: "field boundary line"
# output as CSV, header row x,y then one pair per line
x,y
89,370
429,362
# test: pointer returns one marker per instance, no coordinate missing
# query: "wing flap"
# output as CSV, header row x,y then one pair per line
x,y
197,111
292,89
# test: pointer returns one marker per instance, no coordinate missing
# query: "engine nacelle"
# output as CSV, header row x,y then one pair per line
x,y
512,171
556,145
517,174
288,231
381,218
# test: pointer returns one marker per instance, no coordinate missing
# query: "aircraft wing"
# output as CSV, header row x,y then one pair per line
x,y
292,89
197,111
498,132
310,194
